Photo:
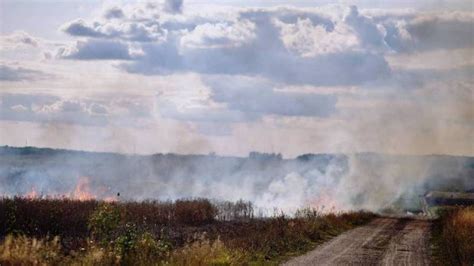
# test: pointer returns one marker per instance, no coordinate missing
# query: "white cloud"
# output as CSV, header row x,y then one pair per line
x,y
445,31
19,108
263,55
219,35
117,29
288,45
114,13
47,108
309,40
96,50
18,40
231,99
259,75
80,28
262,98
98,109
173,6
10,73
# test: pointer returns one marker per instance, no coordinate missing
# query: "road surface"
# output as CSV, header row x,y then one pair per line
x,y
384,241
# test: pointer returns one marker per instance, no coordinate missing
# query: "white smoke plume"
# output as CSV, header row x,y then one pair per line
x,y
327,182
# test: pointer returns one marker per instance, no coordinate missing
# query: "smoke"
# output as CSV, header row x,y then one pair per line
x,y
376,182
397,83
327,182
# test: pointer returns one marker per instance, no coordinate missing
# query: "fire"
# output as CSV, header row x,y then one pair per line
x,y
325,202
32,194
82,191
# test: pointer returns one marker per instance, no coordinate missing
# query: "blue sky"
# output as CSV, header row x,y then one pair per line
x,y
235,76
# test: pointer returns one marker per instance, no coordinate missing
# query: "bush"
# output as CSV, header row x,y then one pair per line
x,y
148,249
43,217
134,248
104,221
195,212
129,243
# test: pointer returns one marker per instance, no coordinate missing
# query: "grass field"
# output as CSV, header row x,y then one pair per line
x,y
184,232
453,236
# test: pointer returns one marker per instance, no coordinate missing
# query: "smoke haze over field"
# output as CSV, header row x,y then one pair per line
x,y
354,78
335,182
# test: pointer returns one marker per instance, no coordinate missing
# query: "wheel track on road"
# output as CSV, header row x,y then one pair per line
x,y
384,241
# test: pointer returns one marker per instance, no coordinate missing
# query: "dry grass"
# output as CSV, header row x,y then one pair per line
x,y
186,232
22,250
455,236
205,252
459,234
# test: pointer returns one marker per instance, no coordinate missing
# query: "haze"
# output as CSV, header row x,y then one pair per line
x,y
231,77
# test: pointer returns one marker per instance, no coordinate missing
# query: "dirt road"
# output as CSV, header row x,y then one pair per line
x,y
385,241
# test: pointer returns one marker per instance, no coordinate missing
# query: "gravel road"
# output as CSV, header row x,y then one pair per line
x,y
384,241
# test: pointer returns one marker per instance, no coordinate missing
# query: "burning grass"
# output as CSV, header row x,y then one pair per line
x,y
184,232
454,236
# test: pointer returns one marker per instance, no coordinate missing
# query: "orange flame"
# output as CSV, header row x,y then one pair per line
x,y
325,202
32,194
82,192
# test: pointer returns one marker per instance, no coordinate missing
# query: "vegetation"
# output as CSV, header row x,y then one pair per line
x,y
453,236
184,232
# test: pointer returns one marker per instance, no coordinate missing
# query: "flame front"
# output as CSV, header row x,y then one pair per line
x,y
82,191
325,202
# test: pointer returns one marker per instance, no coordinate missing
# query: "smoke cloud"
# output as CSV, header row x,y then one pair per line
x,y
328,182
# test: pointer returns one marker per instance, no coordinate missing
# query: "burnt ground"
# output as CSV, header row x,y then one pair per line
x,y
384,241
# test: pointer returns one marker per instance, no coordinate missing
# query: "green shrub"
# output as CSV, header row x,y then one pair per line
x,y
142,249
104,221
127,240
129,244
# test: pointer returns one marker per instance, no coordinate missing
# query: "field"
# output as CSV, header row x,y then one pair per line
x,y
196,231
453,236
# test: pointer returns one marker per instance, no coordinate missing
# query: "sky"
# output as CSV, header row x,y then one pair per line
x,y
230,77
